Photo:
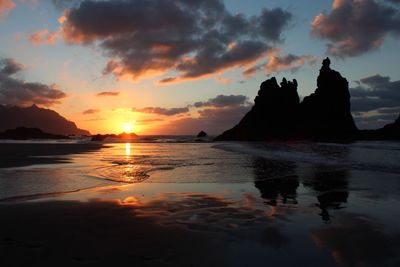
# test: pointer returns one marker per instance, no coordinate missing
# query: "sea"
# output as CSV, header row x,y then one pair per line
x,y
285,203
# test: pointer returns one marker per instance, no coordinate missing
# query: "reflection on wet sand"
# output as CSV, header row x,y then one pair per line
x,y
278,181
355,240
170,229
281,185
331,188
194,205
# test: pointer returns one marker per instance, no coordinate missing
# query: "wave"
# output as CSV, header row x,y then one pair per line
x,y
374,156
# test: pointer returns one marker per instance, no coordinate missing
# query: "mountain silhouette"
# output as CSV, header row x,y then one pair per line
x,y
278,113
46,120
23,133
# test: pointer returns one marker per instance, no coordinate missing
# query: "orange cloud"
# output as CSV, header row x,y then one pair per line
x,y
108,94
43,37
6,6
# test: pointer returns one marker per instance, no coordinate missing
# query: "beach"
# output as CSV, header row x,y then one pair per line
x,y
202,204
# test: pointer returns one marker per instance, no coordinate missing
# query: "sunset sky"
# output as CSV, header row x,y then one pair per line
x,y
178,67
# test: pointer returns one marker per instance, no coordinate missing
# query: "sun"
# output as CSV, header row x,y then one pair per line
x,y
127,127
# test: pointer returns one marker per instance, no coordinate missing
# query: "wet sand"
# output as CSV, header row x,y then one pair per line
x,y
186,225
239,211
25,154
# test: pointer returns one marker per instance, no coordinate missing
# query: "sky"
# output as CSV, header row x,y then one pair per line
x,y
178,67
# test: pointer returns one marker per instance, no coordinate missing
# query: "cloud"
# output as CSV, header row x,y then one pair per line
x,y
6,6
354,27
211,120
9,66
192,39
223,101
14,91
213,116
43,37
375,92
278,63
66,4
162,111
90,111
375,101
108,94
288,62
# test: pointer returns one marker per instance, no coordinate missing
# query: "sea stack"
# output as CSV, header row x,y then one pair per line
x,y
278,114
326,113
202,134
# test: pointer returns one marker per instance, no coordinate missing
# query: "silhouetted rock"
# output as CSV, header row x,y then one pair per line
x,y
124,136
23,133
34,117
278,114
273,115
326,113
202,134
388,132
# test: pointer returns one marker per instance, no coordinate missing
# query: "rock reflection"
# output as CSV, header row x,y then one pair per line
x,y
276,181
331,188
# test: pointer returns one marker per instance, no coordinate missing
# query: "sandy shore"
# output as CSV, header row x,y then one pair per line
x,y
25,154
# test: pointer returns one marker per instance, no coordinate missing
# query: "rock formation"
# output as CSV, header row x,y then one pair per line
x,y
326,112
121,136
278,114
202,134
34,117
388,132
273,114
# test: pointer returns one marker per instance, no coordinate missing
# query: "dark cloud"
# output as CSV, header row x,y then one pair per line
x,y
211,120
194,38
375,101
375,92
375,80
354,27
91,111
108,94
9,66
14,91
162,111
223,101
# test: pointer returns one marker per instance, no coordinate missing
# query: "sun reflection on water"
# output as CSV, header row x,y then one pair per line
x,y
128,150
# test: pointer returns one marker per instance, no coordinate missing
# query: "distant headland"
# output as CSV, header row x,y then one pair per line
x,y
324,115
46,120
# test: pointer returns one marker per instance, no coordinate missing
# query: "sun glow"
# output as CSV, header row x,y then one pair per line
x,y
127,127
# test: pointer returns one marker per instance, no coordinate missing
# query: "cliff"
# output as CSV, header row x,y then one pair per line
x,y
46,120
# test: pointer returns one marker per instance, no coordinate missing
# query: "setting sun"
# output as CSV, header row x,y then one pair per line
x,y
127,127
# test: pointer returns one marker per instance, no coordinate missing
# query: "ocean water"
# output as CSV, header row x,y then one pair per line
x,y
323,204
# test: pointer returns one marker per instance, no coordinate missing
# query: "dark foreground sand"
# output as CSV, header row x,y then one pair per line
x,y
98,233
182,229
25,154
